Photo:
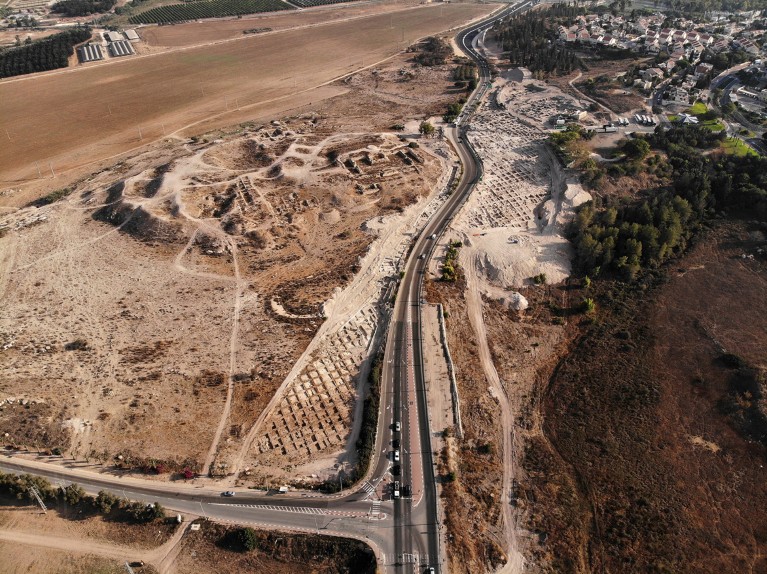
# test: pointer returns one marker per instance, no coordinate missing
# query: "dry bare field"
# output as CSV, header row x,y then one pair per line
x,y
194,33
78,116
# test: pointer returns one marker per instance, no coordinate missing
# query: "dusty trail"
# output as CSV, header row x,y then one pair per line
x,y
163,556
68,544
233,342
516,561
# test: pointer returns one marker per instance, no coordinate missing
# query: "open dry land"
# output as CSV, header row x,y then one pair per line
x,y
232,254
129,103
663,446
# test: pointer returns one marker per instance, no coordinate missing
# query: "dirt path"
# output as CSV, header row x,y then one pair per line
x,y
163,556
233,342
68,544
515,562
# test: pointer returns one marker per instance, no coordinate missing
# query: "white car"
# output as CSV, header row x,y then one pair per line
x,y
396,456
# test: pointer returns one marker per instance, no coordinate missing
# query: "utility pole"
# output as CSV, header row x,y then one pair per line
x,y
39,175
53,173
140,136
8,135
33,490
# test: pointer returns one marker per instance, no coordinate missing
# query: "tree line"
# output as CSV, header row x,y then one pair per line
x,y
530,40
46,54
82,7
616,235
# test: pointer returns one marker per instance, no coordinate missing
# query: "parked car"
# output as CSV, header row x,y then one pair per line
x,y
136,564
396,456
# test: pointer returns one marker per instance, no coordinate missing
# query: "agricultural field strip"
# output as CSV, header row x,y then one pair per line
x,y
70,143
207,9
244,37
296,509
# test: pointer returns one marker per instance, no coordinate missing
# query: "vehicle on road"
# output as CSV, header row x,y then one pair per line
x,y
422,256
396,470
407,491
433,236
136,564
397,426
395,489
396,456
395,443
228,493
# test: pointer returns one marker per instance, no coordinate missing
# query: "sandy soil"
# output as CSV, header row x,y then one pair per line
x,y
165,93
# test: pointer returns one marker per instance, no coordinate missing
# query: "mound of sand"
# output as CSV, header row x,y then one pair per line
x,y
330,217
511,259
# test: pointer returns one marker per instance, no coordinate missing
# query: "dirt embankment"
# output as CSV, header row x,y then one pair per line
x,y
276,552
658,416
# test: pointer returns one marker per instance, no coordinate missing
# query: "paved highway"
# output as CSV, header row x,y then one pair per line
x,y
404,532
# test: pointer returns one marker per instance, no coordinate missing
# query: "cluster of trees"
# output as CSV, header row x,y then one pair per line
x,y
465,76
83,7
530,40
25,21
626,236
20,487
434,52
687,7
450,265
41,55
453,111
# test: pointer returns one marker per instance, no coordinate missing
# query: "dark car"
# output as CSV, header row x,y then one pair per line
x,y
136,564
406,491
396,470
395,443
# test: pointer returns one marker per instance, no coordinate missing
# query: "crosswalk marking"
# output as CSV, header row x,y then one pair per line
x,y
296,509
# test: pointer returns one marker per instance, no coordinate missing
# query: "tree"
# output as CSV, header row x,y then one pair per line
x,y
426,129
636,148
105,502
241,539
72,494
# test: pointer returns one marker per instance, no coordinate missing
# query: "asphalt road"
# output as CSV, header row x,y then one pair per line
x,y
404,532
